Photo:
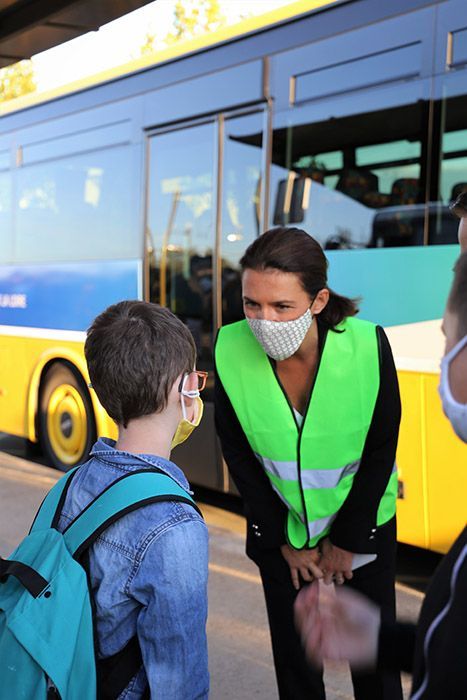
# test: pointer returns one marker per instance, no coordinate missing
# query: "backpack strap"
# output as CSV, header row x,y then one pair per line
x,y
128,493
51,507
124,495
26,575
115,672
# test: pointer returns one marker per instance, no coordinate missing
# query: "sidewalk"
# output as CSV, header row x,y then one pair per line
x,y
239,646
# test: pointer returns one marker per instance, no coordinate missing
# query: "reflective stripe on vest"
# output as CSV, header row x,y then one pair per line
x,y
311,468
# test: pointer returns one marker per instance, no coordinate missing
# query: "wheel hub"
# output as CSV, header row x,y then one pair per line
x,y
66,423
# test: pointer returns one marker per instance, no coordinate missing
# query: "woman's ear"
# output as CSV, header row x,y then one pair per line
x,y
320,301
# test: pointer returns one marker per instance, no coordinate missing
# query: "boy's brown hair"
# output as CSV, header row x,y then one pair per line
x,y
457,302
135,351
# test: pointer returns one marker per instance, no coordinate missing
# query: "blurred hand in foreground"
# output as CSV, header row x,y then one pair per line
x,y
337,625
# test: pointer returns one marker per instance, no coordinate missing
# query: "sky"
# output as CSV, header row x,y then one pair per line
x,y
119,42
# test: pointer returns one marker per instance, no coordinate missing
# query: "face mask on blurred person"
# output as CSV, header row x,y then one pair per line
x,y
455,412
186,427
281,339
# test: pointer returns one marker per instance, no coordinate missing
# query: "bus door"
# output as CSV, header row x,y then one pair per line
x,y
205,204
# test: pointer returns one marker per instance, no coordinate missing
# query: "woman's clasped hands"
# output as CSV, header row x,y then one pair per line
x,y
326,561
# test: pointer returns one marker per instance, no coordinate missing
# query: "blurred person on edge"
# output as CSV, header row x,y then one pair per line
x,y
346,626
308,412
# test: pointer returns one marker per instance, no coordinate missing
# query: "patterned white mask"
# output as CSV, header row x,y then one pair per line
x,y
281,339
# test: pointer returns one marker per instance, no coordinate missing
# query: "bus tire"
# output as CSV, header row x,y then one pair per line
x,y
33,450
66,417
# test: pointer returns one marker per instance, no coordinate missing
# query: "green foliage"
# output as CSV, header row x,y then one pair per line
x,y
192,18
17,79
148,47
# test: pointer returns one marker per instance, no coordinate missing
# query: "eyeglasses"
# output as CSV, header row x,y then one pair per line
x,y
196,378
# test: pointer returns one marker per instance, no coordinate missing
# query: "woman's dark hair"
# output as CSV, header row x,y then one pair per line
x,y
294,250
459,206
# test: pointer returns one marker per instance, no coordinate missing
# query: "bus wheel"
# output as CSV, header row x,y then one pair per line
x,y
66,418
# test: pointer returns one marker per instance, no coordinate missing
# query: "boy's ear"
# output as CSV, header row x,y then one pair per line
x,y
174,393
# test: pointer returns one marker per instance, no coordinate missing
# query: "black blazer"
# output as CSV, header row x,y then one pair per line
x,y
441,667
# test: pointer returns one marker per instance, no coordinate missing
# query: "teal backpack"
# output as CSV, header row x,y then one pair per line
x,y
47,641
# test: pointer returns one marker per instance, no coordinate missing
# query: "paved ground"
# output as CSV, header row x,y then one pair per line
x,y
240,657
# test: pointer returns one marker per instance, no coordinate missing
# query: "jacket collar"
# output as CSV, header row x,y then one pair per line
x,y
104,450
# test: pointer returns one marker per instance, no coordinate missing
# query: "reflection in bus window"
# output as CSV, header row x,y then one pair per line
x,y
240,205
71,209
352,182
453,169
181,230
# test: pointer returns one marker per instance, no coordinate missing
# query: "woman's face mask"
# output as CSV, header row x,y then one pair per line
x,y
455,412
278,310
281,339
185,426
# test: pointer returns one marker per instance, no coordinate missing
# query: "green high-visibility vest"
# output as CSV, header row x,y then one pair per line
x,y
311,467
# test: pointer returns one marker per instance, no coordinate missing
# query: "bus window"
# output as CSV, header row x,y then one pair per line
x,y
77,208
352,181
181,244
241,203
453,169
181,216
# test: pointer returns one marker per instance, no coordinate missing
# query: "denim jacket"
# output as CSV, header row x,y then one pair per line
x,y
149,577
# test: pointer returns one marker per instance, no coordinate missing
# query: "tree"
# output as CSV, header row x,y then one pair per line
x,y
192,18
148,47
17,79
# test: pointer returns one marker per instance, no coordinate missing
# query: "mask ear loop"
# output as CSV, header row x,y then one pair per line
x,y
446,361
190,394
312,302
456,349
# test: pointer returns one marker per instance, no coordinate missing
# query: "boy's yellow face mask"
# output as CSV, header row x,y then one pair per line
x,y
186,427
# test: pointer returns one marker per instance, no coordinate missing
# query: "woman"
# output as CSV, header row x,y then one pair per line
x,y
308,412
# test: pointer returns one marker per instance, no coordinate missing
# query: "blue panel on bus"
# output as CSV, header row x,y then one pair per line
x,y
397,285
64,296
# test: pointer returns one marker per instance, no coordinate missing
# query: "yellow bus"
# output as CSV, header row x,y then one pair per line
x,y
348,119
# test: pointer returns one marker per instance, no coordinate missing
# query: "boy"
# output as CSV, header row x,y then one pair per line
x,y
148,570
